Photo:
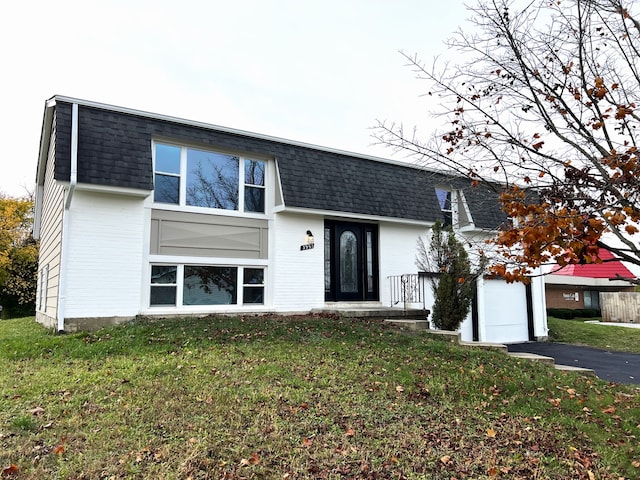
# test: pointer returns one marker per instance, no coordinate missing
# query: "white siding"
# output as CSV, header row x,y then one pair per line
x,y
50,240
105,255
298,275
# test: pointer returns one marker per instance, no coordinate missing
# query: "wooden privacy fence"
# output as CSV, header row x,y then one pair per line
x,y
620,307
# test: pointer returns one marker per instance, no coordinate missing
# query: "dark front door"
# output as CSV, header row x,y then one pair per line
x,y
351,261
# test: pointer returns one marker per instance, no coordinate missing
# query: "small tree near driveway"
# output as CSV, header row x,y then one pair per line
x,y
454,278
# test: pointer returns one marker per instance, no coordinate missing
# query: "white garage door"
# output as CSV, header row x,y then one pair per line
x,y
505,312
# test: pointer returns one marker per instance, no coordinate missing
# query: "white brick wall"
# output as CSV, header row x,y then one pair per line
x,y
397,251
105,255
298,275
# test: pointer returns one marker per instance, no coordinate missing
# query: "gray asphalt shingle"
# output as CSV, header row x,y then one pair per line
x,y
114,149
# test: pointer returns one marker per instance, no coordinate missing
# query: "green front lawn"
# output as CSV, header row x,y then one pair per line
x,y
293,398
621,339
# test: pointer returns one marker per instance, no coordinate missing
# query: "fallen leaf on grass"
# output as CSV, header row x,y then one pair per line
x,y
491,433
446,459
349,432
306,442
10,470
254,460
610,409
399,388
36,411
59,449
492,472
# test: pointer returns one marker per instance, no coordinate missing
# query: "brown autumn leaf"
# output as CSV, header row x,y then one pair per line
x,y
493,472
491,433
610,409
399,388
349,432
10,470
306,442
446,459
58,449
255,459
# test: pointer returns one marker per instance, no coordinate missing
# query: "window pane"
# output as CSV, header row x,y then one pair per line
x,y
212,179
254,172
444,199
327,259
369,261
253,294
254,276
163,295
253,199
167,189
167,159
163,274
209,285
348,262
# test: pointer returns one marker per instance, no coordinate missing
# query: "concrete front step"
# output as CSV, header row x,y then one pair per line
x,y
533,357
455,337
551,361
373,312
581,370
408,323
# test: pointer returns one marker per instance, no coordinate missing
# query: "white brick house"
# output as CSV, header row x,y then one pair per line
x,y
144,214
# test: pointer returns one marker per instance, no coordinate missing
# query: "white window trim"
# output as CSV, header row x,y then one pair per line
x,y
182,200
240,305
458,203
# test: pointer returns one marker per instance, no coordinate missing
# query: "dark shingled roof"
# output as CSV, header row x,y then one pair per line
x,y
114,149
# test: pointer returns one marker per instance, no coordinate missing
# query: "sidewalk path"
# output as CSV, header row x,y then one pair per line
x,y
610,366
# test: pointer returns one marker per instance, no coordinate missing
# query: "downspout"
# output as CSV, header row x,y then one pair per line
x,y
73,180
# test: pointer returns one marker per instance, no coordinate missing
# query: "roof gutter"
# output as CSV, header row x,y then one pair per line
x,y
73,181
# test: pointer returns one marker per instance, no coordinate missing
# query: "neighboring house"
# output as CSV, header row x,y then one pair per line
x,y
144,214
579,286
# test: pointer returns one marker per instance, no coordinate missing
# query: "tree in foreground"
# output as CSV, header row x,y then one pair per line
x,y
546,99
454,279
18,256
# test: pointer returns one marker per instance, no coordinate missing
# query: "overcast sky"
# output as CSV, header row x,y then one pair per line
x,y
313,71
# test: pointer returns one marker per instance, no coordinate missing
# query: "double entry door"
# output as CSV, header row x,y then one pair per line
x,y
350,261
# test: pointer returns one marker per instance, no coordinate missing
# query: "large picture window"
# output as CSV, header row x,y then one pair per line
x,y
188,285
204,178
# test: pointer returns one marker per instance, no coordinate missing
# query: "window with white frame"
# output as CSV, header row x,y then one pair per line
x,y
454,208
189,285
188,176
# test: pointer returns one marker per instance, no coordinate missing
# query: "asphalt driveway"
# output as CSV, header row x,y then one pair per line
x,y
610,366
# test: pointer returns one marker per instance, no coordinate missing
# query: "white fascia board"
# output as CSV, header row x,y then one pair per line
x,y
351,216
132,192
45,139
